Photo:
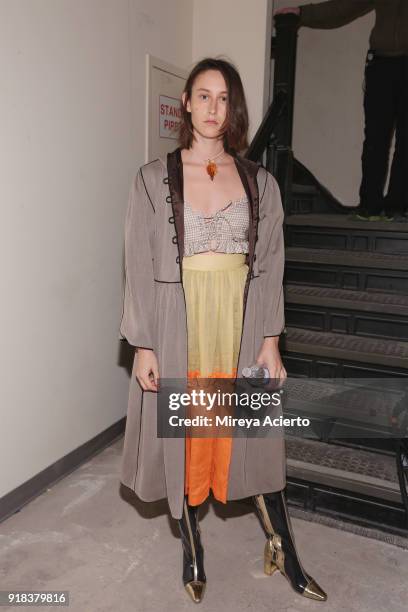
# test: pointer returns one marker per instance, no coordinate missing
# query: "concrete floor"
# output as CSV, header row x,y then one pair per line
x,y
82,536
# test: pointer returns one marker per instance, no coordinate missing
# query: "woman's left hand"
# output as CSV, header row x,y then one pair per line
x,y
269,356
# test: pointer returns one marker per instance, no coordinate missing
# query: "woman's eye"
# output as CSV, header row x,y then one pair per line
x,y
224,98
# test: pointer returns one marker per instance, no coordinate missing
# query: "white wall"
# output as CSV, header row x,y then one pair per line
x,y
239,31
72,135
329,122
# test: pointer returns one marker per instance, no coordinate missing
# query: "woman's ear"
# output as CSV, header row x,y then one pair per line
x,y
183,97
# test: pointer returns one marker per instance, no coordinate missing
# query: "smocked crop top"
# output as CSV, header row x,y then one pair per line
x,y
224,232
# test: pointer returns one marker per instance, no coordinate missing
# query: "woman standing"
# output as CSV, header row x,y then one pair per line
x,y
203,299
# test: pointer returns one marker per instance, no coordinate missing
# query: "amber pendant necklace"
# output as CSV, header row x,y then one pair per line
x,y
211,166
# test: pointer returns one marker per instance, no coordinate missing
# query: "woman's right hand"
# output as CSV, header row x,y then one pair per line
x,y
147,369
288,9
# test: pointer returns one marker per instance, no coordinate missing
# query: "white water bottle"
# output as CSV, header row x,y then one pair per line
x,y
256,372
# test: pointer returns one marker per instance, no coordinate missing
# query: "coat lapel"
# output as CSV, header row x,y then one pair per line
x,y
247,170
176,187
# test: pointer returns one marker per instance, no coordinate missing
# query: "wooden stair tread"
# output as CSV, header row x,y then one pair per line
x,y
346,346
362,471
360,259
387,303
344,222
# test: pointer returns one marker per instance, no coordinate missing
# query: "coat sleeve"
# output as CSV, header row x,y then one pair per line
x,y
333,14
137,324
271,257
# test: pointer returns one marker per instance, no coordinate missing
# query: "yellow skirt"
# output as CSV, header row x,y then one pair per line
x,y
214,289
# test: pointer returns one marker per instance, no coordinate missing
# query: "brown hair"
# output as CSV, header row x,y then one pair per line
x,y
235,126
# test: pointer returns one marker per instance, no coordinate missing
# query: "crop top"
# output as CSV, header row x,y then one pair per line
x,y
224,232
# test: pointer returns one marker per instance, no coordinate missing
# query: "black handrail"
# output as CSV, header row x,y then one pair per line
x,y
262,138
274,135
275,132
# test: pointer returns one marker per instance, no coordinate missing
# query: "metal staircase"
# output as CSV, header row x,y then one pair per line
x,y
346,311
346,307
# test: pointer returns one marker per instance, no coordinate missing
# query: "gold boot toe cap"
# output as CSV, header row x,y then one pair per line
x,y
313,591
196,590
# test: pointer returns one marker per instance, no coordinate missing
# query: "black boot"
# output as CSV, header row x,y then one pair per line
x,y
280,551
194,578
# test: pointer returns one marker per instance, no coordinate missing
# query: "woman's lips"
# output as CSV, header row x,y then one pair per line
x,y
211,121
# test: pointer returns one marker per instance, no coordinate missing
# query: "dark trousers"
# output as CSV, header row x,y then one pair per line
x,y
385,108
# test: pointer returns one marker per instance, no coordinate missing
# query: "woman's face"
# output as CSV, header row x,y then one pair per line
x,y
208,104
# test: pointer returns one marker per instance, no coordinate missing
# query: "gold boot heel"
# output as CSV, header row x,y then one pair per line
x,y
269,564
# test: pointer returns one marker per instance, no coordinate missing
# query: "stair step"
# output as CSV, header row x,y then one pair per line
x,y
337,231
360,259
348,408
357,270
345,222
346,347
360,313
304,189
347,299
360,471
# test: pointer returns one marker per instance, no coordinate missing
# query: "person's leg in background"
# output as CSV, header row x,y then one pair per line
x,y
397,196
380,112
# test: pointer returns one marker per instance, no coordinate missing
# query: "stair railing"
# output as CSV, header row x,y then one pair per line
x,y
274,135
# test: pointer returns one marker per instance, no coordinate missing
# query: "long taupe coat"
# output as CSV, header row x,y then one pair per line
x,y
154,316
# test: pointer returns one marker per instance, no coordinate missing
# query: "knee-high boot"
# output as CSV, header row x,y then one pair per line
x,y
280,551
194,577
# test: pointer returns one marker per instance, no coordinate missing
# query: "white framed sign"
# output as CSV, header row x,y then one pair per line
x,y
165,84
169,116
